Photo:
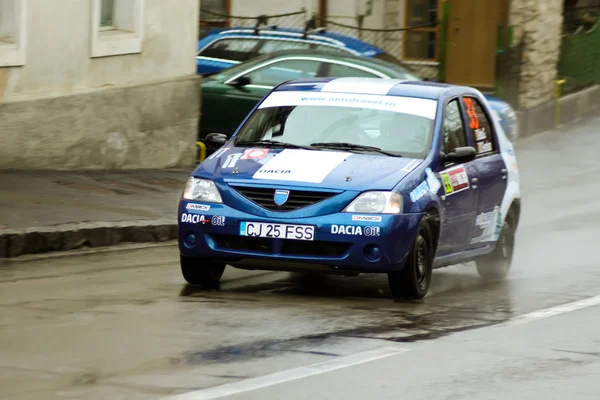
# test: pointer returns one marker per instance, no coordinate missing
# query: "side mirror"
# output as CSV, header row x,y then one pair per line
x,y
240,82
217,139
460,155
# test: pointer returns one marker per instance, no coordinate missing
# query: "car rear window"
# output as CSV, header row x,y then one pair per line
x,y
236,49
400,125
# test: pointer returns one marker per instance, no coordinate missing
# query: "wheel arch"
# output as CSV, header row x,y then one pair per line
x,y
433,217
514,212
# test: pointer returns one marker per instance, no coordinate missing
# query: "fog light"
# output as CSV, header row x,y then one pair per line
x,y
372,252
190,240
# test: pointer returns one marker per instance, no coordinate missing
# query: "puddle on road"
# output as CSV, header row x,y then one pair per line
x,y
392,320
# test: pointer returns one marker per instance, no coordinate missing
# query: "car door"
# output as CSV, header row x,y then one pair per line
x,y
458,196
491,172
238,102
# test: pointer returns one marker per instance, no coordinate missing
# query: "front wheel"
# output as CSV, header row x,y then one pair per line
x,y
412,282
198,271
496,265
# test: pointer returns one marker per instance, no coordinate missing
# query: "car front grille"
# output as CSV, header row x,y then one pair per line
x,y
264,197
300,248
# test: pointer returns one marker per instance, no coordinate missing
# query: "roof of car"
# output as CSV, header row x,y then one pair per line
x,y
369,86
333,38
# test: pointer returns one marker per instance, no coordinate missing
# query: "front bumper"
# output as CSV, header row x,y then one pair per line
x,y
376,246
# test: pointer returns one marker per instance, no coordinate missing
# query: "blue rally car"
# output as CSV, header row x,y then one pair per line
x,y
356,175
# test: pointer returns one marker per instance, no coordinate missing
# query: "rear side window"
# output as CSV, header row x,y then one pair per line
x,y
235,49
454,131
282,71
270,46
479,126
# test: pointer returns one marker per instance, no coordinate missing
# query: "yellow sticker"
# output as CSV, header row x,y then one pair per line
x,y
447,184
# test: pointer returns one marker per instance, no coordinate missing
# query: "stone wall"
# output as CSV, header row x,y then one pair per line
x,y
538,23
152,125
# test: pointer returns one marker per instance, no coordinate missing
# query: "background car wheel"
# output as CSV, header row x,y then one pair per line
x,y
198,271
496,265
412,282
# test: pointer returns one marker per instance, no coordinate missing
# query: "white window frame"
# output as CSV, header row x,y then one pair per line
x,y
128,33
13,53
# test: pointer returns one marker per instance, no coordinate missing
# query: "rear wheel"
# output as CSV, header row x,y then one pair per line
x,y
412,282
496,265
198,271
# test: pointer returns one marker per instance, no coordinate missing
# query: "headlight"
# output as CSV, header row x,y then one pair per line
x,y
202,190
376,203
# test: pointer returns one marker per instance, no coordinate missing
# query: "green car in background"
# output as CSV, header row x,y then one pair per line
x,y
230,95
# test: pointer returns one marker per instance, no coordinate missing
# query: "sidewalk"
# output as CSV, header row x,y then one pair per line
x,y
43,211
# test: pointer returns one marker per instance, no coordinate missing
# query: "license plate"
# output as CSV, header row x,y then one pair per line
x,y
277,231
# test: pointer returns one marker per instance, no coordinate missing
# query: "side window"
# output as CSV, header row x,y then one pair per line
x,y
454,130
341,71
282,71
270,46
480,127
237,49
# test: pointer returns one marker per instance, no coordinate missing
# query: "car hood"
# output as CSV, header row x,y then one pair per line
x,y
306,168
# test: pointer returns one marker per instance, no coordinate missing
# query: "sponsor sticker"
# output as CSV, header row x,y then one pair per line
x,y
419,192
490,224
231,160
355,230
218,220
430,184
254,154
301,165
480,134
194,219
367,218
455,180
407,105
484,147
197,207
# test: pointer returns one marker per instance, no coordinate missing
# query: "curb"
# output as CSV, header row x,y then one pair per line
x,y
88,234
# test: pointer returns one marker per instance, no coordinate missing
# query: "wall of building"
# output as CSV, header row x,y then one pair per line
x,y
539,24
245,8
66,109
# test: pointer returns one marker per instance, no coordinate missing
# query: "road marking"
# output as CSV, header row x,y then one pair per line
x,y
289,375
552,311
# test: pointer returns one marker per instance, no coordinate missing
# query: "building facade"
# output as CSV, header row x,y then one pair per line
x,y
98,84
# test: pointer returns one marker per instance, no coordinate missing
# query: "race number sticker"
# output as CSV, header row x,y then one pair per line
x,y
455,180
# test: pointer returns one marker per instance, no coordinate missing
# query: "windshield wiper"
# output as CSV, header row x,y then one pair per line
x,y
273,143
352,146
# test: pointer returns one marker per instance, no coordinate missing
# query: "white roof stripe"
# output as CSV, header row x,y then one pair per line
x,y
361,85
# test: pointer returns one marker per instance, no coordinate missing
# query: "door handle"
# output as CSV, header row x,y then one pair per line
x,y
474,181
504,173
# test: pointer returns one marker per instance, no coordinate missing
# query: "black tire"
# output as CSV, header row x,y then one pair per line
x,y
412,281
496,265
198,271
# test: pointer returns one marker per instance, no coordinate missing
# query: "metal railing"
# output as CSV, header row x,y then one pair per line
x,y
580,50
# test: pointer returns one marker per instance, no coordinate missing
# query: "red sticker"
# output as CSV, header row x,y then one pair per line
x,y
459,178
254,154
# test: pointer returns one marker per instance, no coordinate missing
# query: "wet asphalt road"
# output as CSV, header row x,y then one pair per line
x,y
123,325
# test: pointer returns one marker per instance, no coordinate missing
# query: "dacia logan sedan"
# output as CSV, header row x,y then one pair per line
x,y
356,175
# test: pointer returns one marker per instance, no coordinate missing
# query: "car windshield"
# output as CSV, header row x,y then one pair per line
x,y
399,125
